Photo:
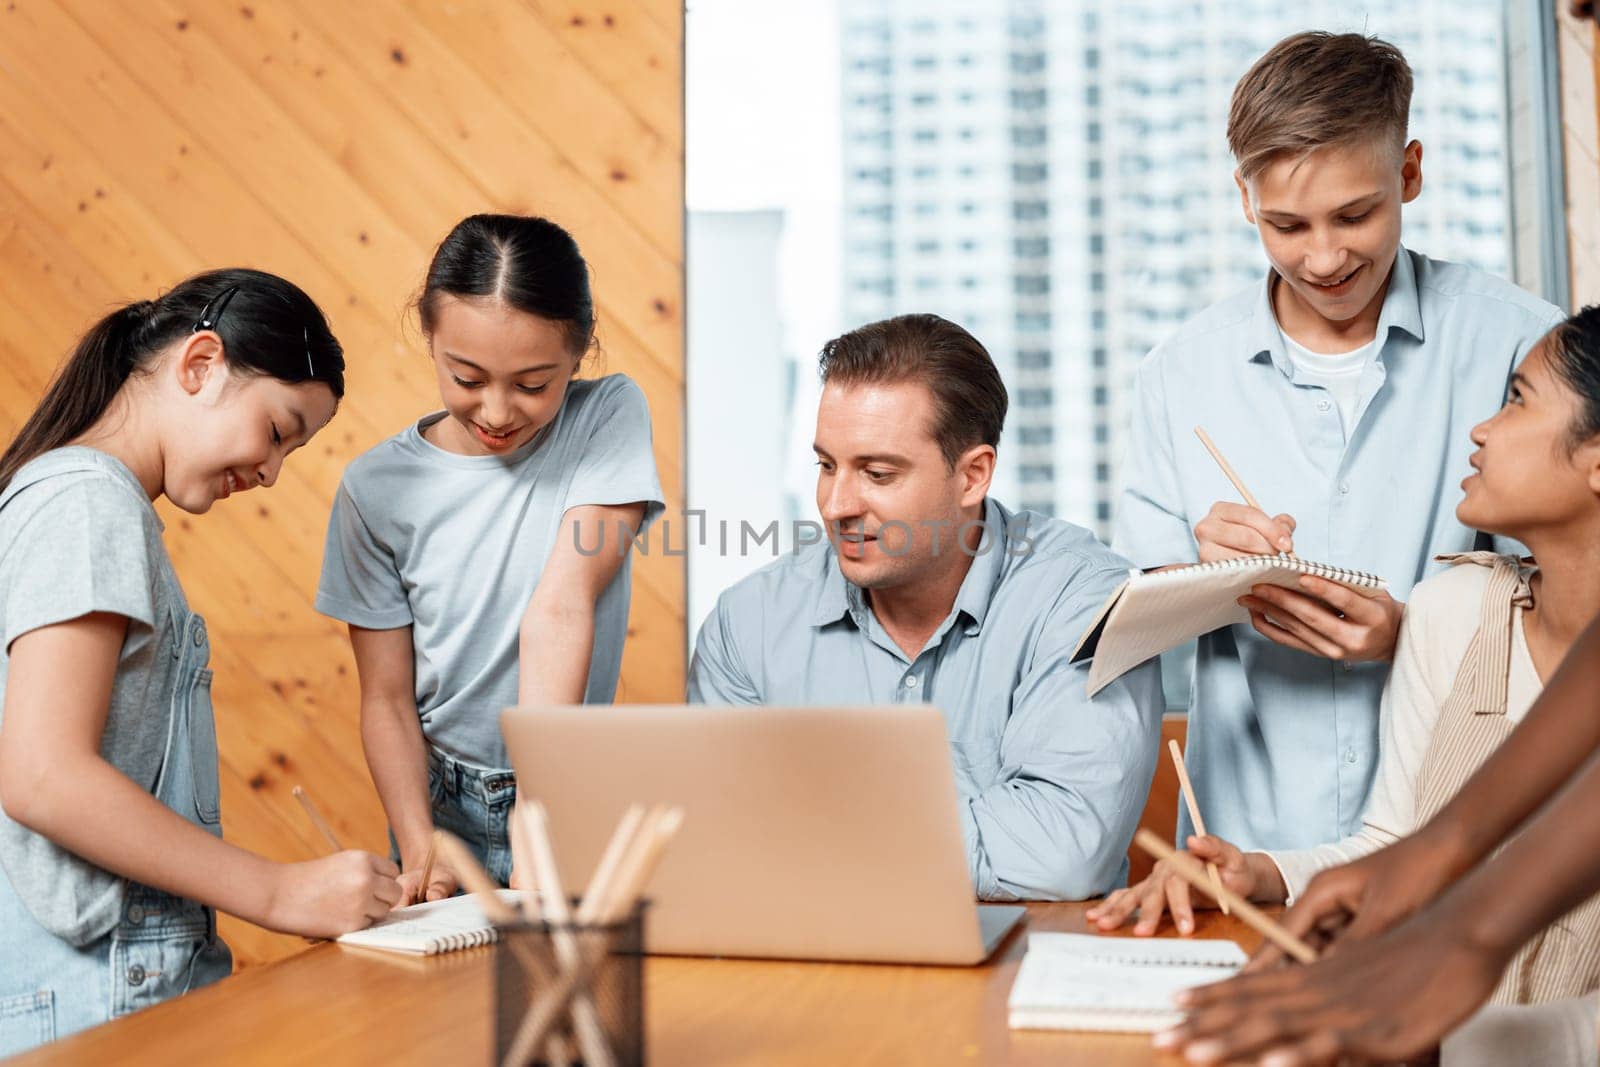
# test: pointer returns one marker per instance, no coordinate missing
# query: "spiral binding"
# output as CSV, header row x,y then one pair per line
x,y
468,939
1343,575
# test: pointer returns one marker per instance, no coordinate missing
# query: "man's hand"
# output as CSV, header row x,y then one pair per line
x,y
1381,1000
1327,619
1232,530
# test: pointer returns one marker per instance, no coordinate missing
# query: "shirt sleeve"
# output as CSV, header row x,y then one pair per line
x,y
716,672
360,582
1152,526
1408,712
82,551
1075,770
616,463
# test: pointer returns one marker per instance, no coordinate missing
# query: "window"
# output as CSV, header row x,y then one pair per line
x,y
1036,435
1037,474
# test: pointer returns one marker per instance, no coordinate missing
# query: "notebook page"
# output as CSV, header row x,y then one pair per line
x,y
1160,611
1083,982
1141,951
431,927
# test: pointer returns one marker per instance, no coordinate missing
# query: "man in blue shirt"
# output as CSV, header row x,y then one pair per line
x,y
927,590
1343,391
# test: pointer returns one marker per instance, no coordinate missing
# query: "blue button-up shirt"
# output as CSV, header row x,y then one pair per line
x,y
1051,782
1282,745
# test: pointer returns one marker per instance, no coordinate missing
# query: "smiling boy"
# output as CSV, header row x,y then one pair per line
x,y
929,591
1343,391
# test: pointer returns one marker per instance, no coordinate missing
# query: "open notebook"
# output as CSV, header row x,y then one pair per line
x,y
1124,984
1151,613
431,928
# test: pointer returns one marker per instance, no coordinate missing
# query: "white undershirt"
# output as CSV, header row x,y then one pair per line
x,y
1339,374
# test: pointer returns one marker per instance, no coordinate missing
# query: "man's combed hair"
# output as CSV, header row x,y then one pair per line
x,y
968,396
1318,89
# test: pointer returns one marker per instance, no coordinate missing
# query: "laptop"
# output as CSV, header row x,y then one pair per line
x,y
809,833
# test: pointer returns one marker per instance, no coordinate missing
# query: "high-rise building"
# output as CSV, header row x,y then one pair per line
x,y
1054,175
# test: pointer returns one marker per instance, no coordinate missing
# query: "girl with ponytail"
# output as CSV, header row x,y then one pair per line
x,y
111,851
479,555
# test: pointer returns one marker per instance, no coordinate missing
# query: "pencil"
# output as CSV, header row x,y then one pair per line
x,y
1194,817
427,868
316,818
1205,439
1189,870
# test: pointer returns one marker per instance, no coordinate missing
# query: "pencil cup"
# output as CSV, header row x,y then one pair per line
x,y
570,993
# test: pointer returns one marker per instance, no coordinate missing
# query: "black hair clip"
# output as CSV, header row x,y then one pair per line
x,y
208,319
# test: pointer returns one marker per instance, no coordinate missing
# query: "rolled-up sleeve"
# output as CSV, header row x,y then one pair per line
x,y
1152,526
1074,770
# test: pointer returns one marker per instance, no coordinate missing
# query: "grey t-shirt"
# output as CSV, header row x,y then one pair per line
x,y
78,535
453,547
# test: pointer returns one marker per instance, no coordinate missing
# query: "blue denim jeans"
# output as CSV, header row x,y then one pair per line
x,y
474,803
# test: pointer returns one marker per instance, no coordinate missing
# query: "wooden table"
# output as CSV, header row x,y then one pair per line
x,y
332,1004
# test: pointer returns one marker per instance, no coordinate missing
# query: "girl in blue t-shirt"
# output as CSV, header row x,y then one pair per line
x,y
479,556
110,836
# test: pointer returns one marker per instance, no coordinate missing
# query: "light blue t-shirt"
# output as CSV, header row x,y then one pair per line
x,y
453,547
1282,745
1051,781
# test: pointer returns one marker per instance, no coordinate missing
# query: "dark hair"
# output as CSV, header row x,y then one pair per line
x,y
1573,348
1316,89
968,396
268,327
530,264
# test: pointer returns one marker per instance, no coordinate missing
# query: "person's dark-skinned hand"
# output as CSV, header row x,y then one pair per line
x,y
1385,1000
1362,899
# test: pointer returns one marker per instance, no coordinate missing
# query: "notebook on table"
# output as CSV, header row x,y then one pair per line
x,y
433,927
1151,613
1119,984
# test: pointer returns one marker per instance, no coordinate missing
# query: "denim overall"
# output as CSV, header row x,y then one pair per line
x,y
162,945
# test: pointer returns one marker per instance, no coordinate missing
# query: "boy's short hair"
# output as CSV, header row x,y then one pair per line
x,y
1317,89
969,399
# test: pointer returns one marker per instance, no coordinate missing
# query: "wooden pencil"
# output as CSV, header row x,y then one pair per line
x,y
1187,789
1190,870
316,818
1216,454
1227,469
427,868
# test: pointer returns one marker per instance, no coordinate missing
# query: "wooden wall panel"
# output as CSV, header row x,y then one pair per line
x,y
335,144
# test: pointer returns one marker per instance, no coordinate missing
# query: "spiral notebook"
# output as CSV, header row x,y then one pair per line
x,y
431,928
1151,613
1120,984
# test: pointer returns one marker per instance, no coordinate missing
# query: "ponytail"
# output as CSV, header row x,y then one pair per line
x,y
269,327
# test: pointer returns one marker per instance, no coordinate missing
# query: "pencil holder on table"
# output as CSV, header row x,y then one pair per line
x,y
561,988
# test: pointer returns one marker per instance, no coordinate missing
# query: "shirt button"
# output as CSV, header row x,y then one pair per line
x,y
1344,488
135,913
911,681
1350,756
1349,666
1323,405
136,975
